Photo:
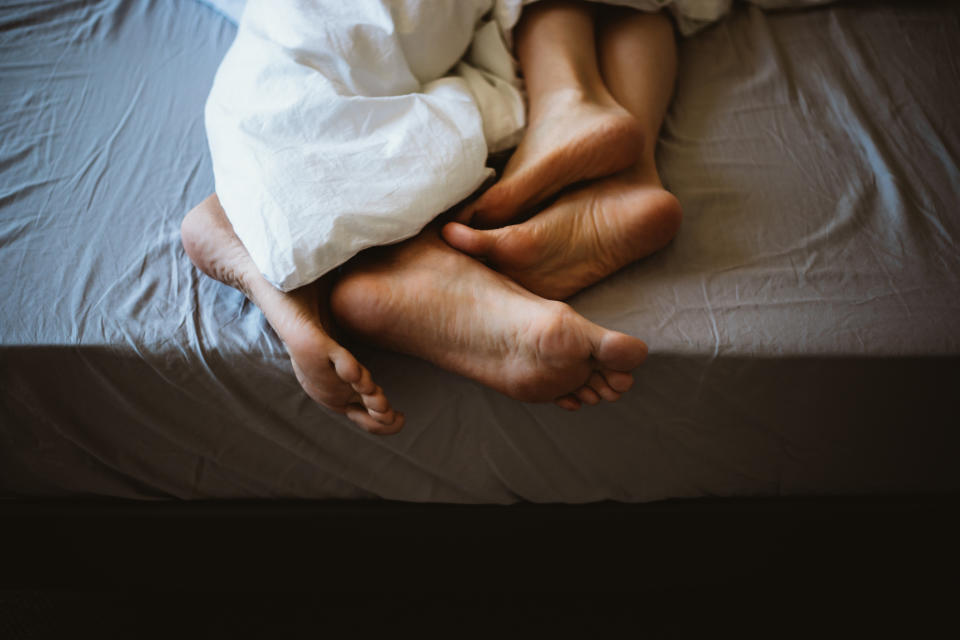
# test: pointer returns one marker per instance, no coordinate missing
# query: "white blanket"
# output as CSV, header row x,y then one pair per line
x,y
336,126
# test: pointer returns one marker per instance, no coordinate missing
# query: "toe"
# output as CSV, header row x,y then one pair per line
x,y
602,388
618,380
495,207
347,366
376,401
568,402
365,384
386,418
620,352
586,395
471,241
359,416
324,387
466,213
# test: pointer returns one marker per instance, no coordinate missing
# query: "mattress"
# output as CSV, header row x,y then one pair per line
x,y
804,326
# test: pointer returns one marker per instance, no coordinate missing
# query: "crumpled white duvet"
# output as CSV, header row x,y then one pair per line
x,y
336,126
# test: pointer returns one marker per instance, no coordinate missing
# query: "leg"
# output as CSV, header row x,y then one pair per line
x,y
576,129
594,231
328,373
638,59
424,298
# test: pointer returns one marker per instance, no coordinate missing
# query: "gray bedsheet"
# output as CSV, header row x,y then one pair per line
x,y
803,326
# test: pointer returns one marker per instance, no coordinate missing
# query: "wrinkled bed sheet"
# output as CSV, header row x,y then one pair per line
x,y
803,326
335,127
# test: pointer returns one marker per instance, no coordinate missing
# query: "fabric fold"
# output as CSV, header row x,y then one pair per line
x,y
334,127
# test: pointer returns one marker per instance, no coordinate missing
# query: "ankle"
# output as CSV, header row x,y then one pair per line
x,y
566,98
644,171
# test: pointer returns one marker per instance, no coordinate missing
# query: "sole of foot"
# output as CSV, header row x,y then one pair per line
x,y
328,373
582,238
428,300
570,139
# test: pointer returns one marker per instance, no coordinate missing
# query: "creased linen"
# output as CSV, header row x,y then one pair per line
x,y
334,127
802,326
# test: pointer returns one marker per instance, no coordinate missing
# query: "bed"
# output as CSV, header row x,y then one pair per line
x,y
804,326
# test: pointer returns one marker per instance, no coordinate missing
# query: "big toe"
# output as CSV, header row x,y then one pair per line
x,y
474,242
620,352
322,386
494,208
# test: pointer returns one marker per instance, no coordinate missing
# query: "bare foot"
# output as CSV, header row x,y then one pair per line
x,y
329,374
428,300
570,138
582,238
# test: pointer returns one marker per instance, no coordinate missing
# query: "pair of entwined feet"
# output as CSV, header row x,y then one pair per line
x,y
498,320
